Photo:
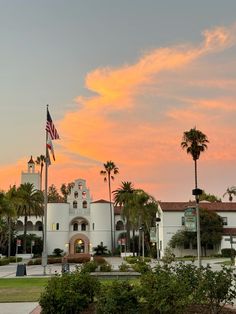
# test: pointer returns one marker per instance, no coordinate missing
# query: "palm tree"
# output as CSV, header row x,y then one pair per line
x,y
110,169
231,191
40,161
195,143
123,197
143,214
11,198
30,202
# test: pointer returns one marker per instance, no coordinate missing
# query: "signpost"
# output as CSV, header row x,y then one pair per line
x,y
190,219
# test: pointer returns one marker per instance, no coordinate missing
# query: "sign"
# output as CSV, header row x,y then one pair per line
x,y
190,219
18,242
153,237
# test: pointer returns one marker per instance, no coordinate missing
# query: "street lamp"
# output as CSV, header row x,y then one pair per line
x,y
197,192
158,219
142,230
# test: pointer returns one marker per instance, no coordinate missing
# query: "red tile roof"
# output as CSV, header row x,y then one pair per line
x,y
216,206
228,231
100,201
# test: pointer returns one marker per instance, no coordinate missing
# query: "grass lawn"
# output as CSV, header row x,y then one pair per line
x,y
21,289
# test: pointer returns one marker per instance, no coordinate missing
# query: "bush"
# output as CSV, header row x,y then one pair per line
x,y
228,252
57,252
101,250
99,260
70,293
141,267
88,267
4,261
124,267
117,297
13,259
105,267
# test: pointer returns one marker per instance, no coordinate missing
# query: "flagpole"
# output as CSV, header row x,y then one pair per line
x,y
44,255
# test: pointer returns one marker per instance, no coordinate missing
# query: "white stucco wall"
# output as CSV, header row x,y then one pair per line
x,y
58,213
100,224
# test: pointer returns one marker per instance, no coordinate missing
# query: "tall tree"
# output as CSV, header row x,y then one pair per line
x,y
11,198
195,143
231,191
40,161
211,232
53,195
66,189
110,169
209,197
30,202
123,197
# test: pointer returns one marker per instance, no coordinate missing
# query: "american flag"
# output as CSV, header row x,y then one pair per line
x,y
50,146
50,128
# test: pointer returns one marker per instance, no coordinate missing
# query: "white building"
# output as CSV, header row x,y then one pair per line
x,y
172,220
81,224
78,225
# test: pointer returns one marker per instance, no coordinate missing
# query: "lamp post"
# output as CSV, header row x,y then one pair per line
x,y
197,192
142,230
158,219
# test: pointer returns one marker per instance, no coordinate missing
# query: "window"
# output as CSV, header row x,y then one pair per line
x,y
83,227
84,204
93,225
80,186
119,225
57,226
183,221
225,221
84,194
74,204
75,226
76,194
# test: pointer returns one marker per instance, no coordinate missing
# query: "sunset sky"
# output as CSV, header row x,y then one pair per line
x,y
123,80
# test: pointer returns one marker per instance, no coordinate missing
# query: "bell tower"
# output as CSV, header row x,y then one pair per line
x,y
31,176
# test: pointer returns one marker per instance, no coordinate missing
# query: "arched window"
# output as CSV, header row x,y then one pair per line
x,y
38,226
83,227
76,194
74,204
75,226
57,226
119,225
29,226
85,204
80,186
84,194
19,225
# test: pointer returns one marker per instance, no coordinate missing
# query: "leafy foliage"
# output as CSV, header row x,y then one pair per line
x,y
117,297
70,293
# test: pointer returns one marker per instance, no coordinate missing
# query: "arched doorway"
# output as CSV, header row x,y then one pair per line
x,y
79,244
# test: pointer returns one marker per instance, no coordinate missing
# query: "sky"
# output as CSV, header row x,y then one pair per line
x,y
123,80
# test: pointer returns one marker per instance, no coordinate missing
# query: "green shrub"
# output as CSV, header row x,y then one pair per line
x,y
70,293
141,267
105,267
57,252
101,250
124,267
13,259
4,261
88,267
228,252
117,297
78,259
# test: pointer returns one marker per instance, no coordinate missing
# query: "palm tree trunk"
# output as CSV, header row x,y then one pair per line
x,y
128,234
109,186
9,236
133,242
25,232
198,218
